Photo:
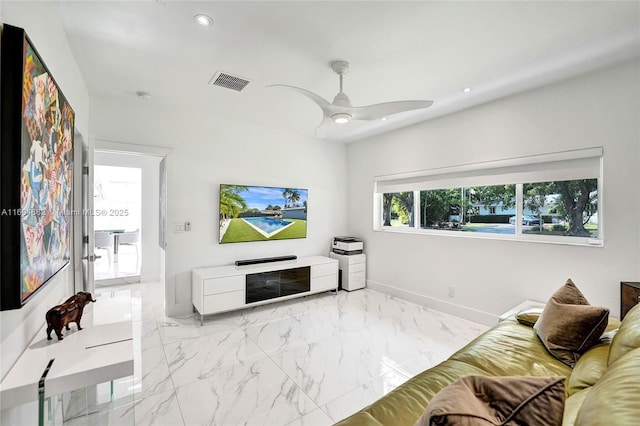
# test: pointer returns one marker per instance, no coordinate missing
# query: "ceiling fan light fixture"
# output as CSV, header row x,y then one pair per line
x,y
341,117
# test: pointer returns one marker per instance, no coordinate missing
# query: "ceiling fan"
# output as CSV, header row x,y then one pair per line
x,y
340,110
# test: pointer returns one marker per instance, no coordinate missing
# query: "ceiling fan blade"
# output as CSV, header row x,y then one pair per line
x,y
321,130
315,98
328,109
377,111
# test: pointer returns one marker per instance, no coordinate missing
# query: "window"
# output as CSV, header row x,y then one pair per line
x,y
548,198
562,208
397,209
470,209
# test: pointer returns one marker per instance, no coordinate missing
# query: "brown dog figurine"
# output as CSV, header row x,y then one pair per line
x,y
66,313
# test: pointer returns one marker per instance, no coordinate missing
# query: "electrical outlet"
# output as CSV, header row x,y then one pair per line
x,y
178,227
452,292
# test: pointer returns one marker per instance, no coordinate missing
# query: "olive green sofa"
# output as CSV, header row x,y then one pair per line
x,y
603,388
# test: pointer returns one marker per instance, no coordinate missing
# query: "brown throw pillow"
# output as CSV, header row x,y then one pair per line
x,y
569,326
481,400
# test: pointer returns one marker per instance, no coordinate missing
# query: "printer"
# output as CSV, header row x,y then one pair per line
x,y
347,245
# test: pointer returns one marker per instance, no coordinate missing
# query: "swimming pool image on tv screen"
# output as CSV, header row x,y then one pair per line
x,y
261,213
267,226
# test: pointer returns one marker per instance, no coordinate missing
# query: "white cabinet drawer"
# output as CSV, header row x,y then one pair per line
x,y
224,284
219,302
356,258
358,267
324,269
357,278
354,281
327,282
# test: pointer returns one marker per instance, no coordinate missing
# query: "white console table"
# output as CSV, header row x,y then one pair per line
x,y
224,288
100,352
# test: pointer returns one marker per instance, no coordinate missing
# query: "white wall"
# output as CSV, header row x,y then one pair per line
x,y
490,276
150,259
206,153
40,21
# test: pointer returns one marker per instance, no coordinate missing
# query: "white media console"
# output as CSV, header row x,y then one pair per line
x,y
230,287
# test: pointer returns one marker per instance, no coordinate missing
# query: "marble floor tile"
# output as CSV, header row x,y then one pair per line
x,y
307,361
155,375
175,329
262,314
389,345
200,358
258,393
314,418
327,369
159,410
306,327
351,402
148,333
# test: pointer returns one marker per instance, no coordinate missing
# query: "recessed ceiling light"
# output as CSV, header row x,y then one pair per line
x,y
384,119
467,89
203,20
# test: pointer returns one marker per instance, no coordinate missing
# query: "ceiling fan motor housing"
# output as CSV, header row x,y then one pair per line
x,y
342,100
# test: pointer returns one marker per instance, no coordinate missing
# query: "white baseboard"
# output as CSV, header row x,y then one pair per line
x,y
436,304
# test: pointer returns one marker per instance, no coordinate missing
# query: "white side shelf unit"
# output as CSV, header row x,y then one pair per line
x,y
230,287
353,270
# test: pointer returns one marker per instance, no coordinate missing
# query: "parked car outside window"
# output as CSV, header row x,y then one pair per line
x,y
526,220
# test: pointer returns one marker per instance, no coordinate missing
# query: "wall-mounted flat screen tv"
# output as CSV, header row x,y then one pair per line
x,y
262,213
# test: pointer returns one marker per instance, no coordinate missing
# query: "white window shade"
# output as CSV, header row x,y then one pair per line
x,y
569,165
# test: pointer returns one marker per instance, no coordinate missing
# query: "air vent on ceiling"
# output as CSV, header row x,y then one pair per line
x,y
229,81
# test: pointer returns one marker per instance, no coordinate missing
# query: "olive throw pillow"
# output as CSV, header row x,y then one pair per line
x,y
569,325
508,401
529,316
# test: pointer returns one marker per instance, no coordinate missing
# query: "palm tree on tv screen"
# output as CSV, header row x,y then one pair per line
x,y
231,202
294,195
285,195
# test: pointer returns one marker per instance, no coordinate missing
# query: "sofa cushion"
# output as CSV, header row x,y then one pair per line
x,y
406,403
614,399
569,326
511,349
628,336
478,400
572,406
589,368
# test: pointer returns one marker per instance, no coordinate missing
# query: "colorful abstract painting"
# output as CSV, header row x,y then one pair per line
x,y
46,176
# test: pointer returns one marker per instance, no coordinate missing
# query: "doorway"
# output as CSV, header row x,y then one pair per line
x,y
126,215
117,193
